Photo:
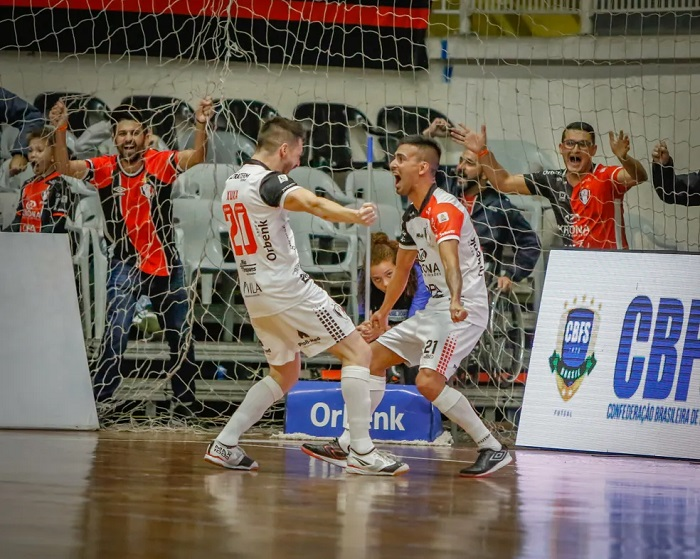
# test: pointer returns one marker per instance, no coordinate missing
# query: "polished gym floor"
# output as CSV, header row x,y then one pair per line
x,y
150,495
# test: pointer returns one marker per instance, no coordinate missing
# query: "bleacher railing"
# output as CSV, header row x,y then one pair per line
x,y
585,9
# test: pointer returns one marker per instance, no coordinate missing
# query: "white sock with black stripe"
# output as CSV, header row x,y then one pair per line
x,y
458,409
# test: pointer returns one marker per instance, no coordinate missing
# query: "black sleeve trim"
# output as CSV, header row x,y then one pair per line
x,y
274,186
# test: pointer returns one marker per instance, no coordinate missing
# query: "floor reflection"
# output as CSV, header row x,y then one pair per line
x,y
577,505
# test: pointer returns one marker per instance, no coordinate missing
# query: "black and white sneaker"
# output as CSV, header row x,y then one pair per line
x,y
231,457
330,452
489,461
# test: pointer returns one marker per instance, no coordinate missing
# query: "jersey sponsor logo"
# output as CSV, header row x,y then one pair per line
x,y
572,227
282,178
562,195
232,194
339,310
550,172
251,289
31,204
248,268
422,255
435,291
147,190
430,269
241,176
442,217
448,233
306,340
576,342
584,195
476,248
119,191
264,230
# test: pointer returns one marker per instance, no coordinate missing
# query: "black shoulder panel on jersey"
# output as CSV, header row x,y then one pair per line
x,y
273,187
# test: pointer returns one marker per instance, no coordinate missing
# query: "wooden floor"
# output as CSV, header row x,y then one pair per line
x,y
150,495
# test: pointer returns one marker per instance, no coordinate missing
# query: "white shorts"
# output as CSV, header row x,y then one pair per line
x,y
431,340
314,325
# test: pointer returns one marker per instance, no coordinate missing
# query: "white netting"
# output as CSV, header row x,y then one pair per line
x,y
348,71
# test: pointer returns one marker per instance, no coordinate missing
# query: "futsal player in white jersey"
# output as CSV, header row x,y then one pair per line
x,y
288,311
438,231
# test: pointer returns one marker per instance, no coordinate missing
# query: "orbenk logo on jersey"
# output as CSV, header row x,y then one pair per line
x,y
574,358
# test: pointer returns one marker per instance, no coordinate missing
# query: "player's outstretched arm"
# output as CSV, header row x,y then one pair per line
x,y
191,157
58,117
633,172
302,200
404,262
449,254
499,178
682,189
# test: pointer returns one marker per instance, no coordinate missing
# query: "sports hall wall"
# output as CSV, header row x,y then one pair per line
x,y
650,101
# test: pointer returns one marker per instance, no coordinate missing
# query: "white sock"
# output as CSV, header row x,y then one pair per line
x,y
458,409
258,400
354,383
377,386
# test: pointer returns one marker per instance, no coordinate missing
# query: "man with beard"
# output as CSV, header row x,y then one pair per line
x,y
497,223
586,197
134,189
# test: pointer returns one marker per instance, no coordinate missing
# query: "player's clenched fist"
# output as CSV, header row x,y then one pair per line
x,y
58,115
204,110
660,154
367,214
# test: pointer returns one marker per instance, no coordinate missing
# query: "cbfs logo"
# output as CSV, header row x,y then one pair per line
x,y
652,347
576,341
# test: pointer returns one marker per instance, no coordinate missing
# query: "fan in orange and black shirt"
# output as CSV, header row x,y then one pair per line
x,y
134,188
586,198
46,199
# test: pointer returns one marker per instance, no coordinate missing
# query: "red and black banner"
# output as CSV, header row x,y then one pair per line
x,y
387,34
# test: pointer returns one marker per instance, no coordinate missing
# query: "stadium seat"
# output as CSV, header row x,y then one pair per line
x,y
87,223
320,183
324,249
225,147
203,228
383,189
205,181
397,121
84,110
242,115
338,136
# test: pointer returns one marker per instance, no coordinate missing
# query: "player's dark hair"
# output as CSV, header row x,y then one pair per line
x,y
582,126
277,131
45,133
424,144
127,112
385,249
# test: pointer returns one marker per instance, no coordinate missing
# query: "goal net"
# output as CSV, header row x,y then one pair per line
x,y
349,71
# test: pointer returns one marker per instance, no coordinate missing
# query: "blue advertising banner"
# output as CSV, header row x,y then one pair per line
x,y
316,408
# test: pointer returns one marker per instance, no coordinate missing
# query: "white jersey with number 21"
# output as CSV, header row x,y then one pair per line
x,y
271,278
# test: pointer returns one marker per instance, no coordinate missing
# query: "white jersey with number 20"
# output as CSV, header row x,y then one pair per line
x,y
271,278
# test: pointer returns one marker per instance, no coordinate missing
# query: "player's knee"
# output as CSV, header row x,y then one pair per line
x,y
353,350
430,383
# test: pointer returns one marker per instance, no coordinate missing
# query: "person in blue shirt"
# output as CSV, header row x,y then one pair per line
x,y
413,299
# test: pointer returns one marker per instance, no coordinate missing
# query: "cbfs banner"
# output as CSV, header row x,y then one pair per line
x,y
615,365
316,408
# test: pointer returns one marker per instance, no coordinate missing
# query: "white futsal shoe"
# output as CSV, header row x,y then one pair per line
x,y
375,463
